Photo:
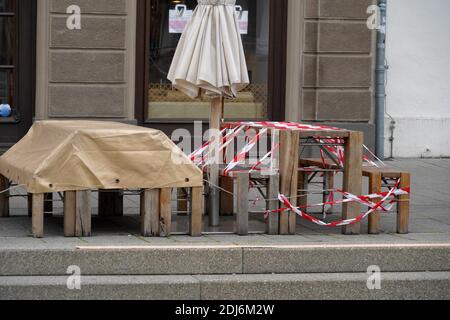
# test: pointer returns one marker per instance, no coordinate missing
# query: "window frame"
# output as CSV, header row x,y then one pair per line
x,y
15,116
277,66
14,128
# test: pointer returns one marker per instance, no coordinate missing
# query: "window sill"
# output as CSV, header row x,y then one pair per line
x,y
9,120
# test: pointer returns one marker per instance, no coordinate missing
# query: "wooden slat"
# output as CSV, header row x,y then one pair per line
x,y
182,202
374,219
329,185
48,205
4,197
196,218
226,198
242,185
403,205
165,200
289,163
83,214
353,178
303,189
110,203
273,191
70,213
37,221
150,213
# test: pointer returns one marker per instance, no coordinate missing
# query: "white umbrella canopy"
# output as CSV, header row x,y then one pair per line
x,y
210,54
210,60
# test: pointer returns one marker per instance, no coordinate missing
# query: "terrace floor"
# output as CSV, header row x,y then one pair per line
x,y
430,222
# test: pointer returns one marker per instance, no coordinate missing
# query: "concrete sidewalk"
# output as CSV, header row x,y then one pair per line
x,y
430,222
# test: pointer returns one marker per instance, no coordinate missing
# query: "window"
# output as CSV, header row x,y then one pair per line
x,y
17,68
8,51
263,33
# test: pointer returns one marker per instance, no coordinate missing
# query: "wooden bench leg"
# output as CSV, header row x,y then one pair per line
x,y
150,214
403,205
165,212
226,198
48,204
110,203
289,164
328,185
70,213
37,221
273,191
4,197
196,218
375,182
303,186
77,213
353,179
242,185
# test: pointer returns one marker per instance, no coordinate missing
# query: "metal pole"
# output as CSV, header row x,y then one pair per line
x,y
380,94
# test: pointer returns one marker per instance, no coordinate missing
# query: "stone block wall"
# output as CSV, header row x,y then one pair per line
x,y
86,73
338,62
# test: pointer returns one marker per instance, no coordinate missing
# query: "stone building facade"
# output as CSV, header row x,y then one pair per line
x,y
324,70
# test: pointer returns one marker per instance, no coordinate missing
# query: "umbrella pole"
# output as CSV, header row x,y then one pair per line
x,y
214,193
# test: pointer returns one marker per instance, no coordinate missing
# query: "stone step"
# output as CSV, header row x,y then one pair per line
x,y
206,260
416,285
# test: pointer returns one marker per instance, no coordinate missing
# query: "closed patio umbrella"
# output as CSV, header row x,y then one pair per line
x,y
210,61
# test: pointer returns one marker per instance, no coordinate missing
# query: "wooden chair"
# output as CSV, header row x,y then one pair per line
x,y
377,180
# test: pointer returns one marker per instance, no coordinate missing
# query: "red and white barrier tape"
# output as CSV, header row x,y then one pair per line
x,y
350,198
243,153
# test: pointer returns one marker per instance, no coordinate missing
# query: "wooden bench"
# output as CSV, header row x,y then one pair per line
x,y
156,210
377,176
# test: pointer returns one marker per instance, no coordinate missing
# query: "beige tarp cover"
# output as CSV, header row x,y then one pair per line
x,y
58,156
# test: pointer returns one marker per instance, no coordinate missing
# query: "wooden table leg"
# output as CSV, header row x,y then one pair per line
x,y
273,203
375,182
166,212
4,197
70,213
150,214
289,164
83,214
110,203
196,218
37,221
242,183
77,213
403,205
353,178
48,204
226,198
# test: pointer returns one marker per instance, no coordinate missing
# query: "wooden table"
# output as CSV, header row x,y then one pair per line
x,y
290,175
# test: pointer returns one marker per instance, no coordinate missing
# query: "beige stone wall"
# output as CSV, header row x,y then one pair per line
x,y
337,59
88,72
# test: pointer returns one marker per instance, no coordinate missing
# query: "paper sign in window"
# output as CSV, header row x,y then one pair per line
x,y
179,18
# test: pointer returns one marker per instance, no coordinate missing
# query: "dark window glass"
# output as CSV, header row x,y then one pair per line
x,y
252,103
7,41
7,51
6,6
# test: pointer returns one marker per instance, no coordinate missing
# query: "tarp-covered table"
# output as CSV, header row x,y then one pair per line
x,y
77,156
